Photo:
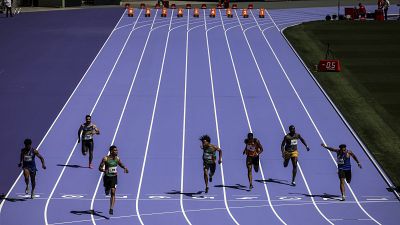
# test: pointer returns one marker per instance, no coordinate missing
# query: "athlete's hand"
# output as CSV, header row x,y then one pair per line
x,y
308,148
126,170
44,167
359,165
324,145
219,161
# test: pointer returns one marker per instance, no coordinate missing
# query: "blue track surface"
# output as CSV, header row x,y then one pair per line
x,y
156,86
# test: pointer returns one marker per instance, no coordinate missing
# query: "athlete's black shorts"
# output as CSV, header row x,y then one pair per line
x,y
345,174
87,146
110,182
255,161
210,166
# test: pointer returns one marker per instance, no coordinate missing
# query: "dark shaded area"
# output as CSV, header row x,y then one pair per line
x,y
324,195
3,196
276,181
43,56
187,194
73,166
236,186
90,212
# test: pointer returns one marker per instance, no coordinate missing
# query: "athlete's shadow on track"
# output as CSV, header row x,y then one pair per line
x,y
12,199
236,186
187,194
325,195
271,180
90,212
73,166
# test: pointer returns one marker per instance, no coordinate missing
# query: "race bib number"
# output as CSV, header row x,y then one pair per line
x,y
251,148
112,170
340,161
27,158
208,156
293,142
87,137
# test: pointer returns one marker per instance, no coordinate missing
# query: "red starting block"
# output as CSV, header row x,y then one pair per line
x,y
261,13
203,6
147,13
245,13
142,5
164,12
188,6
180,12
173,6
219,6
196,12
212,13
234,6
229,13
130,12
250,6
330,65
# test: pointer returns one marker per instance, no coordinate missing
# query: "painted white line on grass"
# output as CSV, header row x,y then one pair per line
x,y
216,120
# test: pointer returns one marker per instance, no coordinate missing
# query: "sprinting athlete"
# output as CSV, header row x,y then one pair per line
x,y
109,166
209,157
27,161
86,132
344,166
253,149
289,150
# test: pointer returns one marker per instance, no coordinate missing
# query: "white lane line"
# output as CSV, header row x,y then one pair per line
x,y
184,121
216,120
311,119
121,116
245,108
65,105
91,112
283,129
151,123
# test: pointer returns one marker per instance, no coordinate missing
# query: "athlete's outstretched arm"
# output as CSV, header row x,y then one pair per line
x,y
329,148
304,142
102,164
80,133
40,157
122,166
355,158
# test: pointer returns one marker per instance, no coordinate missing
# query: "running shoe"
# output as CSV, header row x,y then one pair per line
x,y
90,166
251,186
210,179
27,190
111,212
107,191
293,183
206,190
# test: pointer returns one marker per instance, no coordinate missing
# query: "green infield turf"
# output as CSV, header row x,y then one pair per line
x,y
366,90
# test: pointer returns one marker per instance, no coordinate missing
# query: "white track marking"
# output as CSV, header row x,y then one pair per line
x,y
309,116
91,112
151,123
62,109
216,120
184,121
283,129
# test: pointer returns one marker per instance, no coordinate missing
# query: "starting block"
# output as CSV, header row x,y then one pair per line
x,y
250,6
164,12
262,13
229,13
219,6
147,12
180,12
188,6
142,5
212,13
234,6
196,12
245,13
130,12
157,6
173,6
203,6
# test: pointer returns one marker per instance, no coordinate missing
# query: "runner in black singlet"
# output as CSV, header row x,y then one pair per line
x,y
86,132
209,157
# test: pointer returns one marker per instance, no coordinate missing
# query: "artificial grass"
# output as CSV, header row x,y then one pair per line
x,y
366,90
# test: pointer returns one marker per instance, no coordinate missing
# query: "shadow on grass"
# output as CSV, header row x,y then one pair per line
x,y
90,212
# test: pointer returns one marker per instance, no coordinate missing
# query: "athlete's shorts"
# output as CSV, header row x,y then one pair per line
x,y
346,174
255,161
209,166
87,146
288,155
110,182
32,170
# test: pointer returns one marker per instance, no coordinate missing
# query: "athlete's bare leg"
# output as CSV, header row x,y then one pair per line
x,y
33,182
250,175
342,190
26,176
206,178
112,201
294,171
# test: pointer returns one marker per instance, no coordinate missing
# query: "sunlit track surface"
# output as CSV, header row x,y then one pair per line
x,y
156,86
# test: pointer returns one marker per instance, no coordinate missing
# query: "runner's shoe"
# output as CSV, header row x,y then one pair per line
x,y
90,166
210,179
343,198
206,191
27,190
111,212
293,184
251,186
107,191
32,195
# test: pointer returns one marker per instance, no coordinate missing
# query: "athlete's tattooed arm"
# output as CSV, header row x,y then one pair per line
x,y
329,148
